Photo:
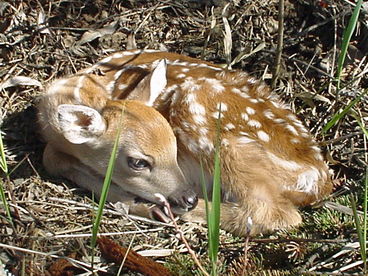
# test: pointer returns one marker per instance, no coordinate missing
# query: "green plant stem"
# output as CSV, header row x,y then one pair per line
x,y
106,186
346,40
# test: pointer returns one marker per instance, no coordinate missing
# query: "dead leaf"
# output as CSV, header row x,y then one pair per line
x,y
94,34
19,80
42,24
113,252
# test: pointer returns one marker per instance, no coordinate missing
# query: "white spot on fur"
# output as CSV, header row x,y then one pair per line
x,y
253,100
286,164
292,130
269,114
245,140
318,156
118,73
190,85
217,115
221,107
235,90
244,116
315,148
250,110
122,86
263,136
152,51
225,142
181,76
292,117
190,98
295,141
203,131
186,125
216,85
254,123
275,104
205,144
229,126
199,119
196,108
110,86
187,64
279,121
118,55
185,70
307,181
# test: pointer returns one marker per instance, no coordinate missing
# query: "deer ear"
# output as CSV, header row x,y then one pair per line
x,y
151,86
80,124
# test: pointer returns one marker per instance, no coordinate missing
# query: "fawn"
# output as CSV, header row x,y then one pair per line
x,y
270,164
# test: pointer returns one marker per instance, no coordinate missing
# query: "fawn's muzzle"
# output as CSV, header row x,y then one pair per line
x,y
183,202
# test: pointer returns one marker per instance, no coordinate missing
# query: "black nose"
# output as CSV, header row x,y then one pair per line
x,y
184,201
191,201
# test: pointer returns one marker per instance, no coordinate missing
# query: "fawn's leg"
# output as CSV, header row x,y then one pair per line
x,y
251,216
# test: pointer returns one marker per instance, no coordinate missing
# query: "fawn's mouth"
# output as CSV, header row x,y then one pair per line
x,y
161,210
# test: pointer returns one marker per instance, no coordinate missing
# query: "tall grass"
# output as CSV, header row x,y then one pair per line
x,y
106,186
361,230
348,33
4,168
213,214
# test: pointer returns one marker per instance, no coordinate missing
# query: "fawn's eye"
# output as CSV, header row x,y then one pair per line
x,y
138,164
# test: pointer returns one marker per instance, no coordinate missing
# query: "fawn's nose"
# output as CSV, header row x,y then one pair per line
x,y
184,201
191,201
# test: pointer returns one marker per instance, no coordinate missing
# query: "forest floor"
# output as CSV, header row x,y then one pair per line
x,y
42,40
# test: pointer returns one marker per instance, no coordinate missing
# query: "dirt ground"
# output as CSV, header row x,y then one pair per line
x,y
42,40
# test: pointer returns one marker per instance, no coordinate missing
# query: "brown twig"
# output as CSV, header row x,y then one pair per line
x,y
280,42
111,251
180,232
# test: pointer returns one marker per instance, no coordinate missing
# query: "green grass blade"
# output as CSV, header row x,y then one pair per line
x,y
106,186
346,40
214,215
3,164
215,212
4,168
365,203
358,228
204,189
361,125
338,116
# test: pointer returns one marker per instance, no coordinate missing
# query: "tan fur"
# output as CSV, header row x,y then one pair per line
x,y
270,163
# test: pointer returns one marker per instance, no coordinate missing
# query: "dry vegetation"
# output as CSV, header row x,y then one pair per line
x,y
41,40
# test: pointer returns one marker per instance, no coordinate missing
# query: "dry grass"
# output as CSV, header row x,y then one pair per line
x,y
43,40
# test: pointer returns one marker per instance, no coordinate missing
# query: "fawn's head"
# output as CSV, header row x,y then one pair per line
x,y
146,163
